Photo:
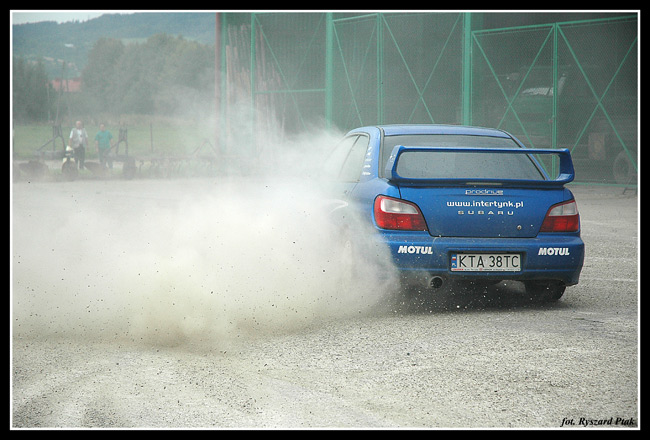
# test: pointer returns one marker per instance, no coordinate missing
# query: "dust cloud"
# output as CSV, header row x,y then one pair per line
x,y
171,263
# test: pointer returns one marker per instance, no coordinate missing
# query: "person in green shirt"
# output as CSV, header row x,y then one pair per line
x,y
103,144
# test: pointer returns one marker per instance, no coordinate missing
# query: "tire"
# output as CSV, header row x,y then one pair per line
x,y
129,168
546,291
623,169
69,170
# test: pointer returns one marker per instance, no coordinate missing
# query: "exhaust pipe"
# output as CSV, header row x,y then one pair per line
x,y
436,282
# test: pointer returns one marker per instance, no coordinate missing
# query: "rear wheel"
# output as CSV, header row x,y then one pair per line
x,y
545,290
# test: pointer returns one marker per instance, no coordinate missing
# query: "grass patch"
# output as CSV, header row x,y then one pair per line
x,y
156,138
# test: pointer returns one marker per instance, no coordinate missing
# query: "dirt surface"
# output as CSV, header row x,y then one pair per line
x,y
195,303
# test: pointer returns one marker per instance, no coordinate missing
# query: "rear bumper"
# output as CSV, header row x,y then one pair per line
x,y
545,257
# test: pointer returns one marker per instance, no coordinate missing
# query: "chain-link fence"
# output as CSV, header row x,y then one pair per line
x,y
592,65
397,68
295,70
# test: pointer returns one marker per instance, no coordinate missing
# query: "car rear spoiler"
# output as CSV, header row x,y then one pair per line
x,y
566,172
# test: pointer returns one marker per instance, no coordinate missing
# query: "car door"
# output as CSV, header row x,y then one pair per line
x,y
342,170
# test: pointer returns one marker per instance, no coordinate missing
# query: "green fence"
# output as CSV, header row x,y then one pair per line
x,y
397,68
294,71
593,66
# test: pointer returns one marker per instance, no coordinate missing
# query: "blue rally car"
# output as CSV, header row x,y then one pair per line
x,y
464,203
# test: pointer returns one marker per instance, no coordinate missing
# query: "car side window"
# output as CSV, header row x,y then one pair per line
x,y
351,169
336,159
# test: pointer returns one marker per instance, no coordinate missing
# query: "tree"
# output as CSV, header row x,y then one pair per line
x,y
100,79
30,91
163,75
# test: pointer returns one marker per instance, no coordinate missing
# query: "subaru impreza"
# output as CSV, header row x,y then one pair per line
x,y
463,203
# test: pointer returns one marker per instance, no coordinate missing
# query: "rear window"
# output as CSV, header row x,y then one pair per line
x,y
421,165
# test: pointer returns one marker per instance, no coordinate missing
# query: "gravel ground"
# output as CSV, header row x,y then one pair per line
x,y
139,304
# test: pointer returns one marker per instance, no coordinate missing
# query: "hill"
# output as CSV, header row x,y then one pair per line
x,y
54,42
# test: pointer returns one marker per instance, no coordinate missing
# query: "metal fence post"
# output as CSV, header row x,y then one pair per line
x,y
252,78
329,68
467,68
380,69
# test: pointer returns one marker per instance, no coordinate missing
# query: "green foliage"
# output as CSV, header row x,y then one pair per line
x,y
71,41
163,76
30,91
99,77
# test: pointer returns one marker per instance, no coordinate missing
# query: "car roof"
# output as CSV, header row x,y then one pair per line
x,y
406,129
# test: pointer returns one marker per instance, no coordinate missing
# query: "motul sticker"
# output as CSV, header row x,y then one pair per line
x,y
553,251
415,250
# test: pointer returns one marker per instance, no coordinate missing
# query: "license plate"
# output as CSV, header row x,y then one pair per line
x,y
467,262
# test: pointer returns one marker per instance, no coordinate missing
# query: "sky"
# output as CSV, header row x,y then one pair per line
x,y
60,16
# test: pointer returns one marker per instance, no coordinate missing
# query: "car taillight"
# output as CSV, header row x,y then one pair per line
x,y
562,217
398,214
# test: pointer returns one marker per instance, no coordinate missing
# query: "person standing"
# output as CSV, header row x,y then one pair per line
x,y
103,145
78,142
